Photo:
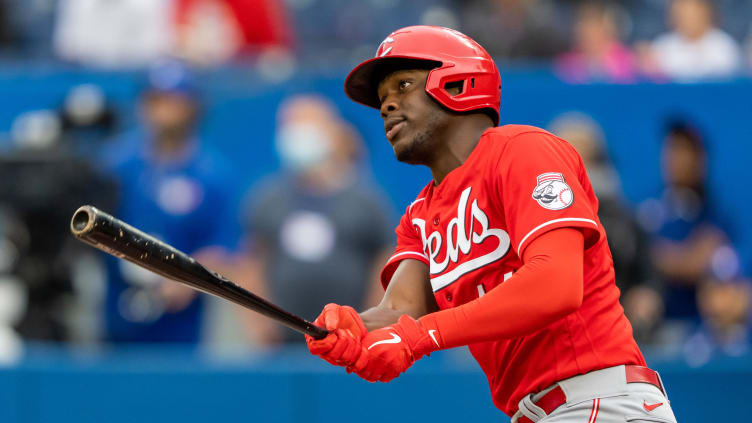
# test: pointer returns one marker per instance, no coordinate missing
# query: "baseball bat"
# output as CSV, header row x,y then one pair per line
x,y
122,240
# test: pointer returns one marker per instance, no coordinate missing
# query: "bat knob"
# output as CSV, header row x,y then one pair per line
x,y
83,220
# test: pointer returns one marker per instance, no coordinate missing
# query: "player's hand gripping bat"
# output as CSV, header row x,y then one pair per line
x,y
116,237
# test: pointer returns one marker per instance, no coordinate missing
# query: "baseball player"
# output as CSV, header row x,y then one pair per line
x,y
502,251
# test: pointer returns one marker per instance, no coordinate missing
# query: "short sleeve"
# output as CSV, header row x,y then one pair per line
x,y
543,187
409,246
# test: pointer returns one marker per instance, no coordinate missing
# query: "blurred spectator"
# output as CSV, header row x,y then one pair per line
x,y
748,50
8,36
214,31
527,29
725,303
686,236
175,189
628,242
13,292
134,33
41,185
87,119
113,34
598,53
319,232
695,49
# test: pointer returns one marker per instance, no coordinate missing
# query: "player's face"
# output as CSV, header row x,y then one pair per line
x,y
411,118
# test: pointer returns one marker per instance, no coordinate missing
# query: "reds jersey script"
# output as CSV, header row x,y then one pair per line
x,y
471,230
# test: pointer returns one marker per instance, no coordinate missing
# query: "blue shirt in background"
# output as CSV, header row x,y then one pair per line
x,y
186,201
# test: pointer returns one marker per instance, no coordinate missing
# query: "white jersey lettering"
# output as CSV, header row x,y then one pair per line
x,y
460,239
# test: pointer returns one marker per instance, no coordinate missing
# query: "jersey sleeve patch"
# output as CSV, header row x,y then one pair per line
x,y
552,191
544,186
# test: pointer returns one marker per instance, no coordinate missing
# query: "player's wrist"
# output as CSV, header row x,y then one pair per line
x,y
422,339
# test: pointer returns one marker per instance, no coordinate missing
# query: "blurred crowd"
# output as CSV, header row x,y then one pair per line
x,y
683,284
315,232
318,230
617,41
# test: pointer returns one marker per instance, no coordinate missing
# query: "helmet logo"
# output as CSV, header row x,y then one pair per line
x,y
383,49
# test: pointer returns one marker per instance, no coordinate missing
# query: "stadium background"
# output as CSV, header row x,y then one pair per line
x,y
65,380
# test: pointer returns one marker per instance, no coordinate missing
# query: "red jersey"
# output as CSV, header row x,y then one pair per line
x,y
471,230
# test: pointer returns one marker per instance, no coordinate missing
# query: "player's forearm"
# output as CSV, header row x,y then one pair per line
x,y
393,306
547,288
379,317
409,292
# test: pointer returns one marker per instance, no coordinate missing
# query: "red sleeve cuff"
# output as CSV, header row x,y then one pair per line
x,y
590,231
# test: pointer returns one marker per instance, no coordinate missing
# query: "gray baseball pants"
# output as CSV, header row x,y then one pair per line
x,y
601,396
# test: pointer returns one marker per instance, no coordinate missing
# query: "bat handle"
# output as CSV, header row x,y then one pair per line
x,y
116,237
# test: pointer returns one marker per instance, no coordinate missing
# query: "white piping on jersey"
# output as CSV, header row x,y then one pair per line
x,y
551,222
410,208
461,234
449,277
406,253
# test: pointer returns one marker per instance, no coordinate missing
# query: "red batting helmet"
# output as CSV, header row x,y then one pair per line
x,y
457,58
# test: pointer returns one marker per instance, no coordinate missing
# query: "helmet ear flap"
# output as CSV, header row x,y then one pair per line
x,y
462,92
457,87
451,88
442,85
454,88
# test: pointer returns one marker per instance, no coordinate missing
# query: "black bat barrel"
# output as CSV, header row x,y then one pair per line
x,y
122,240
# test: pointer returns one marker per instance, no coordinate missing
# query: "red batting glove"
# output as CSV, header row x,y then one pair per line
x,y
393,349
342,347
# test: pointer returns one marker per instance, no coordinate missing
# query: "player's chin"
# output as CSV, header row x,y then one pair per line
x,y
404,155
404,151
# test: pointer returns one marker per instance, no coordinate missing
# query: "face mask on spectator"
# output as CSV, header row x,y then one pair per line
x,y
302,146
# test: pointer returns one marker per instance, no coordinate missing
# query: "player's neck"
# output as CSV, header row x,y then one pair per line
x,y
459,141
